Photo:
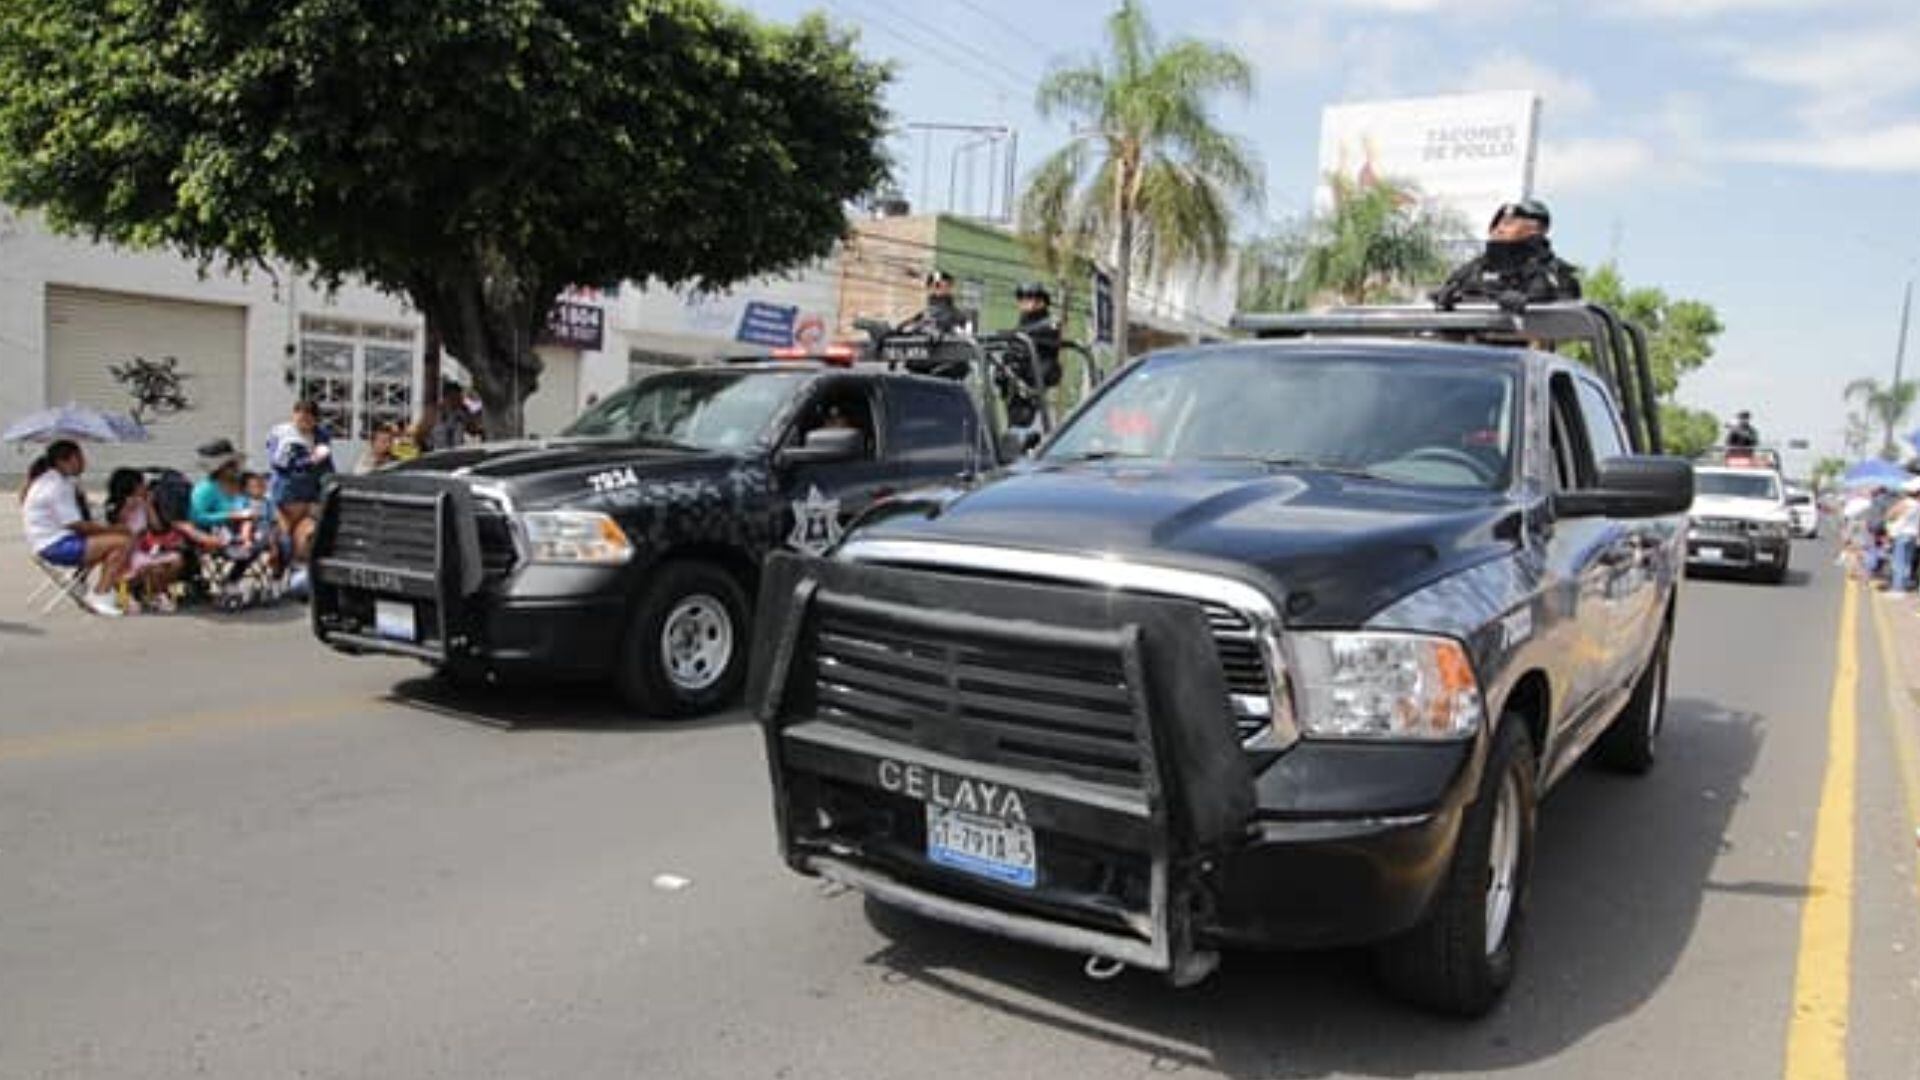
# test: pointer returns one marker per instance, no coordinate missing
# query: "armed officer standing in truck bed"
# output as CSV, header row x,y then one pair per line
x,y
1518,266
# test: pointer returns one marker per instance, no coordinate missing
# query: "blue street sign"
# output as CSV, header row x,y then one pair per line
x,y
767,324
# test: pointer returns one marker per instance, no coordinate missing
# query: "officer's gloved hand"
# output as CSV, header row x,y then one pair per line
x,y
1512,301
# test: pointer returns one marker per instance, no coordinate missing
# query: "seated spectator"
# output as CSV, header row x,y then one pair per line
x,y
156,559
263,531
300,452
219,508
59,531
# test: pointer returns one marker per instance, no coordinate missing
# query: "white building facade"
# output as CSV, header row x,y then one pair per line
x,y
245,347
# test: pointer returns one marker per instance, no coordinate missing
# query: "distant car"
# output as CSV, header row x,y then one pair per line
x,y
1740,521
1805,514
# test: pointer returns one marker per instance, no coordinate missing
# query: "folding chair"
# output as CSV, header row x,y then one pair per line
x,y
64,582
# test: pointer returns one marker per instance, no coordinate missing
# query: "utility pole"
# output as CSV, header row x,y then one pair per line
x,y
1900,350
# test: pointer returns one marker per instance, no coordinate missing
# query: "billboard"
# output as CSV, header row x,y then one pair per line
x,y
1467,153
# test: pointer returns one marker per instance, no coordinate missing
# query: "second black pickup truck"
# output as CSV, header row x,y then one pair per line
x,y
630,546
1275,644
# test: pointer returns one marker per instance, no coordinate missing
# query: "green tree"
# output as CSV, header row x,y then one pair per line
x,y
1270,269
1680,340
1377,243
1886,405
1688,432
1680,333
1826,471
475,158
1859,433
1148,178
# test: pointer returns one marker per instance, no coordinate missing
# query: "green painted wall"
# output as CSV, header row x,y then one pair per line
x,y
990,259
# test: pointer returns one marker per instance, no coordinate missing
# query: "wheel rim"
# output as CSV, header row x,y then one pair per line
x,y
1503,855
696,642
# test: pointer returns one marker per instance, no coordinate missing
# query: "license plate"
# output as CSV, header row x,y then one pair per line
x,y
998,850
394,620
1712,554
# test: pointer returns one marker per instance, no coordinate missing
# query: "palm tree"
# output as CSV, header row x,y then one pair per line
x,y
1887,404
1147,177
1376,243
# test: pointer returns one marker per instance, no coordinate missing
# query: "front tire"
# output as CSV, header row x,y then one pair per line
x,y
1631,742
1461,957
685,650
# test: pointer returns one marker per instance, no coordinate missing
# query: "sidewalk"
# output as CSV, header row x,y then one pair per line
x,y
1894,627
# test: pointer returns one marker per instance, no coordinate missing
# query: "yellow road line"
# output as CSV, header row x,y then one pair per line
x,y
1817,1031
1900,716
266,714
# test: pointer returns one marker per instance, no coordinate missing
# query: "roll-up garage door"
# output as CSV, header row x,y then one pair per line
x,y
90,332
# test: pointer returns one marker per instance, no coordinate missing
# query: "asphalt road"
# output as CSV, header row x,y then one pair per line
x,y
225,852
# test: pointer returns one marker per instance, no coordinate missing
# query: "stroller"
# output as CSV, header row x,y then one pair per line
x,y
231,577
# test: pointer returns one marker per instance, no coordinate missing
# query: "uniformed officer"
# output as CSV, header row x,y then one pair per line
x,y
1037,323
1518,266
1741,434
941,316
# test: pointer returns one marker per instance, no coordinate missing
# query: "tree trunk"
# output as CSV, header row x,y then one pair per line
x,y
486,315
1123,287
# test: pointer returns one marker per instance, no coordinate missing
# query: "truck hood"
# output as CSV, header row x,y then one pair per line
x,y
1337,548
557,470
1723,506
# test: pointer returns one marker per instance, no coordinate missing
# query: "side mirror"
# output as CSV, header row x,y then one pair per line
x,y
1633,487
826,446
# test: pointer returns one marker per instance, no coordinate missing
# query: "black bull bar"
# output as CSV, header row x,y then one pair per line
x,y
885,691
434,511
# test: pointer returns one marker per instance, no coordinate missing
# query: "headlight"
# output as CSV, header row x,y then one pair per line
x,y
1383,686
574,537
1774,529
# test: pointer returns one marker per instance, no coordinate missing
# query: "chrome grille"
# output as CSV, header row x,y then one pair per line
x,y
499,554
1243,665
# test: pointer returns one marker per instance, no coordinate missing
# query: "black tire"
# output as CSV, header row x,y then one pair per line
x,y
674,591
1446,964
1631,743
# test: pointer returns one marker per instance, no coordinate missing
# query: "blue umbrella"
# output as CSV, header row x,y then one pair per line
x,y
1874,471
77,422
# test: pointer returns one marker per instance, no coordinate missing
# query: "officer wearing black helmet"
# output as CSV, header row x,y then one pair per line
x,y
941,316
1037,323
1741,434
1518,266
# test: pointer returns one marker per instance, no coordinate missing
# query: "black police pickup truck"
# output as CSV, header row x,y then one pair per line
x,y
631,544
1274,644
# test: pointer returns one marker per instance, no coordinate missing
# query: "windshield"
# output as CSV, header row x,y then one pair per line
x,y
1753,485
1401,418
708,410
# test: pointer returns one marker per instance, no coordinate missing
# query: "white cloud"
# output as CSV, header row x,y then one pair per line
x,y
1847,76
1451,8
1371,57
1591,164
1562,93
1701,9
1892,149
1286,48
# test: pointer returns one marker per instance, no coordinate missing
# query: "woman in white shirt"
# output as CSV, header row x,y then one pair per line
x,y
58,531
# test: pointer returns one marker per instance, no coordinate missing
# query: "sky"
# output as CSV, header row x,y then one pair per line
x,y
1761,155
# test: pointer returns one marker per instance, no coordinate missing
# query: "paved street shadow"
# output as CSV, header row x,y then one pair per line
x,y
528,706
1796,578
20,629
1623,867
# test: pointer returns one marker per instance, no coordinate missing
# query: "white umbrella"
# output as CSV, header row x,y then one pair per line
x,y
81,423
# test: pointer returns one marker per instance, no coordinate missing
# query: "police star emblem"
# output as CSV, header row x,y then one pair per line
x,y
816,523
